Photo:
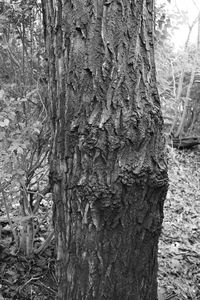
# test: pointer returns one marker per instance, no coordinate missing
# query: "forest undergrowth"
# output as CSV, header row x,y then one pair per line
x,y
179,247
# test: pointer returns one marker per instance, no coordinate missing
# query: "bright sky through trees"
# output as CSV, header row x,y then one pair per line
x,y
189,9
192,9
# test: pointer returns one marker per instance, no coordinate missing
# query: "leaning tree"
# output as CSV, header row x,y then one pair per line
x,y
107,169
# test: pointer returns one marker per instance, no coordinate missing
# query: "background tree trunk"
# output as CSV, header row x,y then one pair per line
x,y
108,173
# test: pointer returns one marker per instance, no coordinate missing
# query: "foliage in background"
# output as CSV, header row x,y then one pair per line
x,y
177,74
24,121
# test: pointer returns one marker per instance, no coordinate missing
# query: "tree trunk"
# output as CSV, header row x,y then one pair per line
x,y
108,172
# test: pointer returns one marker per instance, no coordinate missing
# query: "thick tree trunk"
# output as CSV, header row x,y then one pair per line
x,y
108,172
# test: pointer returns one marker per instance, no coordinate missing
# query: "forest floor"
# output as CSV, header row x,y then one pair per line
x,y
179,248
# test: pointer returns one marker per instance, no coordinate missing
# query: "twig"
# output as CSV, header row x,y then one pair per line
x,y
31,279
45,286
45,244
37,164
40,198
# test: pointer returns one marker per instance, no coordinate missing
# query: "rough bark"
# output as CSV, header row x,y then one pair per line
x,y
108,172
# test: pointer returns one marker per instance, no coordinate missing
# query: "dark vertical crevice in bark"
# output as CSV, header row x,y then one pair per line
x,y
107,167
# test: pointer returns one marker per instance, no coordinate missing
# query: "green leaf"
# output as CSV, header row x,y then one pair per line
x,y
4,123
20,150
